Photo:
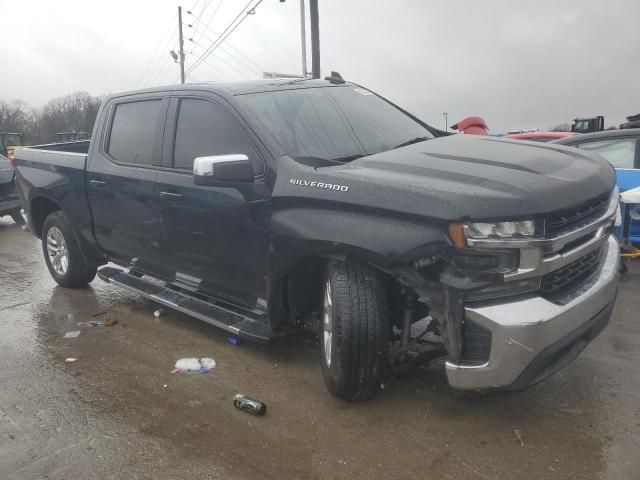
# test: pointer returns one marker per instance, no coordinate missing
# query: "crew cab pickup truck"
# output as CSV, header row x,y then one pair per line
x,y
269,206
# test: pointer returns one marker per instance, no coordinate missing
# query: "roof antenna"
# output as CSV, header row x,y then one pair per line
x,y
335,78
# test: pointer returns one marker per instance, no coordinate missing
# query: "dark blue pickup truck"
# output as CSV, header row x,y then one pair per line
x,y
266,207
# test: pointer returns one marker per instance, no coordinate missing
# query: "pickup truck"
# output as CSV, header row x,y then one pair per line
x,y
270,206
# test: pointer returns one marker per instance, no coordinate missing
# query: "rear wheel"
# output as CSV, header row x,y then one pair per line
x,y
354,341
62,253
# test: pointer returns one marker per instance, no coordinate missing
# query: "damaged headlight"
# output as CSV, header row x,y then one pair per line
x,y
484,230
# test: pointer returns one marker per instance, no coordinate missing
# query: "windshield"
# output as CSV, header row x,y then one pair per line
x,y
332,123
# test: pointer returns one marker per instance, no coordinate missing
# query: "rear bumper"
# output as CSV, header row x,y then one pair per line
x,y
532,338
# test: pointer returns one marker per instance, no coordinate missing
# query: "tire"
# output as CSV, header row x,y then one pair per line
x,y
57,230
355,335
17,218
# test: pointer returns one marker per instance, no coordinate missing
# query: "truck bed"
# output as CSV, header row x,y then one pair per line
x,y
55,173
81,146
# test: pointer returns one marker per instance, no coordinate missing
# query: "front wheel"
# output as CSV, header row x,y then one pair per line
x,y
62,253
354,341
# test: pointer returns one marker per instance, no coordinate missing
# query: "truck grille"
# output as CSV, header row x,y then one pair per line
x,y
571,219
562,282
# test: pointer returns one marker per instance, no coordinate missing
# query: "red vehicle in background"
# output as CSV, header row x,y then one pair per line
x,y
539,136
472,126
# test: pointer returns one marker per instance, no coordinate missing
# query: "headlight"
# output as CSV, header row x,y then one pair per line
x,y
525,228
481,230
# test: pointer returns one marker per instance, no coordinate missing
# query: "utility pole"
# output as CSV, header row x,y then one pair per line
x,y
181,45
303,38
315,39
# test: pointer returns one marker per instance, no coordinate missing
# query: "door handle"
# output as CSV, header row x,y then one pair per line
x,y
98,183
173,197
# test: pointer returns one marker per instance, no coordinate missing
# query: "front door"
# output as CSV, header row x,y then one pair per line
x,y
214,238
121,176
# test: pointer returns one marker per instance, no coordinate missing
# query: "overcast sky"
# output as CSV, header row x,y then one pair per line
x,y
518,64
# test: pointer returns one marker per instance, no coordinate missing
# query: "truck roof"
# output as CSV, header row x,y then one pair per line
x,y
241,87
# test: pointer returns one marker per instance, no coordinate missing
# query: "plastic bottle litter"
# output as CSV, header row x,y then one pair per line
x,y
207,364
188,364
249,405
72,334
158,313
91,323
202,365
107,322
233,340
70,360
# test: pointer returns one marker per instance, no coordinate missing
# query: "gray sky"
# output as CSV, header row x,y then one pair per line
x,y
517,64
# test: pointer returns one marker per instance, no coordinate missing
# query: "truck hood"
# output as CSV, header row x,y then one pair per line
x,y
458,177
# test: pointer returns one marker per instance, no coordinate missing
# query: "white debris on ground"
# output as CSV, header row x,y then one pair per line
x,y
202,365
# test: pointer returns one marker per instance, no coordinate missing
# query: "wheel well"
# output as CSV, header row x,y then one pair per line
x,y
41,207
302,288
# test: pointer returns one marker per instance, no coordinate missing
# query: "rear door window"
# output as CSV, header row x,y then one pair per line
x,y
205,129
620,152
133,132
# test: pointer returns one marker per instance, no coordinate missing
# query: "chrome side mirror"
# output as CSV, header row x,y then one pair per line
x,y
220,169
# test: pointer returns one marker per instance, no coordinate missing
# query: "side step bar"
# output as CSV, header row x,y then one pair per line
x,y
216,315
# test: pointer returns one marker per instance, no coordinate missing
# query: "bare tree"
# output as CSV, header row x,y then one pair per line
x,y
75,112
17,116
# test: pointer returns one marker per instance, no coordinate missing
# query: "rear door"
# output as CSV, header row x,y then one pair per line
x,y
624,154
121,174
214,238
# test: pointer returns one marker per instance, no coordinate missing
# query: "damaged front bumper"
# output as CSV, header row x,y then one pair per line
x,y
532,338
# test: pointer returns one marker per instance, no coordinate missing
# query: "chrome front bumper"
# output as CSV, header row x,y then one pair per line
x,y
531,338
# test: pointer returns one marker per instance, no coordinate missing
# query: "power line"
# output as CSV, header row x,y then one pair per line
x,y
204,9
200,59
228,65
218,70
191,77
250,12
164,67
164,38
249,68
258,68
212,47
208,22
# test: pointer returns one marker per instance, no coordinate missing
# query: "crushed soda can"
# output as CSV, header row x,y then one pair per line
x,y
249,405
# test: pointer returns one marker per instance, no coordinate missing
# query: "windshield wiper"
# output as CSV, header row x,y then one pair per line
x,y
411,142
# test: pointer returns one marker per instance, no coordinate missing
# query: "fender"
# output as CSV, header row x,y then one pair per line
x,y
383,240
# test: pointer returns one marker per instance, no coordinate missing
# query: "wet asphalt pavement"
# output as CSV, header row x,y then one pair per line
x,y
118,412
